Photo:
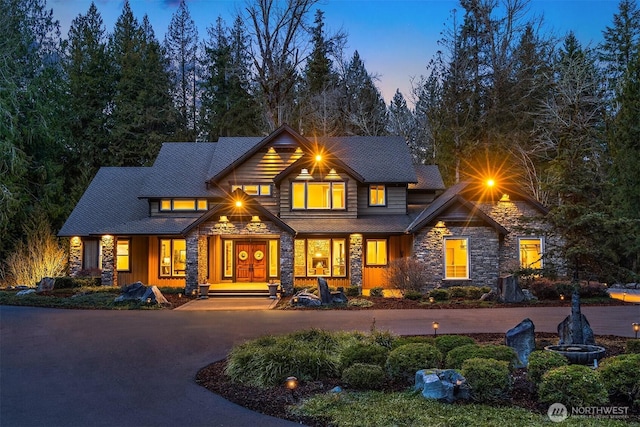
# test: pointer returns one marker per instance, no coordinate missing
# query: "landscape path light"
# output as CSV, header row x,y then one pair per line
x,y
436,325
636,328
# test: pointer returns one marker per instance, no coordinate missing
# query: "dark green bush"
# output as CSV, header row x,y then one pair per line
x,y
400,341
404,361
446,343
633,346
383,338
475,292
439,294
457,292
621,377
413,295
488,379
376,292
573,385
363,352
352,291
315,338
67,282
364,376
541,361
456,357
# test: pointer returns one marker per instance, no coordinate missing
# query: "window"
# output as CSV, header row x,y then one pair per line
x,y
183,205
173,257
376,252
377,195
122,255
274,256
530,253
320,257
254,189
456,258
228,258
318,195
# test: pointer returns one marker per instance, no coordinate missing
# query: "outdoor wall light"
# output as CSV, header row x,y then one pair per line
x,y
561,297
504,198
318,157
636,328
491,182
255,218
304,174
238,203
440,224
224,218
436,325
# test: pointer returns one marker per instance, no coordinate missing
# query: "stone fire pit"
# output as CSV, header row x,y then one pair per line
x,y
582,354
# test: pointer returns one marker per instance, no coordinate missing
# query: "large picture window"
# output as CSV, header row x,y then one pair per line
x,y
123,258
318,195
173,257
530,253
376,252
456,258
320,257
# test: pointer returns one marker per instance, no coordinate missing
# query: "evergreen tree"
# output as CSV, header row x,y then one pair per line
x,y
400,119
181,44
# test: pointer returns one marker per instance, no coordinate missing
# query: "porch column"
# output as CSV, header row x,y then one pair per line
x,y
196,269
109,275
286,262
75,256
355,260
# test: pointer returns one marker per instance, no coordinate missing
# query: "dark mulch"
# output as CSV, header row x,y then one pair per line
x,y
275,401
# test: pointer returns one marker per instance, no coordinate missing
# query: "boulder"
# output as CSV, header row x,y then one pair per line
x,y
444,385
141,293
305,299
46,284
323,289
492,295
509,289
567,335
522,339
25,292
339,297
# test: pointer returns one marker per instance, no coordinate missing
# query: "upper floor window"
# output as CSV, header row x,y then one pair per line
x,y
530,253
318,195
377,195
376,252
183,205
456,258
123,258
253,189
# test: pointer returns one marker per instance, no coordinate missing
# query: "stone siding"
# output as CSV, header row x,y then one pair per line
x,y
75,256
355,259
109,275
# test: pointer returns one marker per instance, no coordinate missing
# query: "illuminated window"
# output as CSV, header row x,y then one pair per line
x,y
530,253
274,256
183,205
173,257
253,189
377,195
227,261
318,195
376,252
320,257
456,258
122,255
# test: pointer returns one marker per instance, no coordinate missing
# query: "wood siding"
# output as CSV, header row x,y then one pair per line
x,y
138,262
374,276
396,201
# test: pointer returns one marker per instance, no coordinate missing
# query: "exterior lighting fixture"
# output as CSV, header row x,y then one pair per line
x,y
561,297
332,175
304,174
238,203
271,150
624,296
255,218
318,157
436,325
440,224
292,383
491,182
224,218
504,198
636,328
432,300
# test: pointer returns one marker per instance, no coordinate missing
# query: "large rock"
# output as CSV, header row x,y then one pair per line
x,y
141,293
305,299
522,339
567,331
443,385
46,284
323,289
509,289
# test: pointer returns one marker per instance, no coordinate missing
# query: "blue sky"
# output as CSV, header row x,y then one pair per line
x,y
396,39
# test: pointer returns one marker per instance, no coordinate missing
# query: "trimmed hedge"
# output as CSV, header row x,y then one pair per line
x,y
541,361
456,357
621,377
404,361
488,379
573,385
446,343
363,353
364,376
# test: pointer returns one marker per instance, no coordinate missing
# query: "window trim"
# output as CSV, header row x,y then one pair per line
x,y
171,263
468,262
386,250
196,202
262,189
378,188
128,255
542,249
331,258
331,184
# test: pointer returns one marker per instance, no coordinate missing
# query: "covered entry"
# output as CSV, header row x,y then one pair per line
x,y
251,261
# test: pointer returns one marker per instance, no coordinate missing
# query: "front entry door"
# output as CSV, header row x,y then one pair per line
x,y
251,262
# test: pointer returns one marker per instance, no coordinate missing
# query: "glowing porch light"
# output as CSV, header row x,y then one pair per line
x,y
440,224
255,218
224,218
318,157
238,203
504,198
491,182
304,174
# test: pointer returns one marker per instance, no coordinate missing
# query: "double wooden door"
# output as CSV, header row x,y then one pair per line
x,y
251,261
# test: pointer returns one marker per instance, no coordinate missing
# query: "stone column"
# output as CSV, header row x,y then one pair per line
x,y
192,268
109,276
286,262
355,260
75,256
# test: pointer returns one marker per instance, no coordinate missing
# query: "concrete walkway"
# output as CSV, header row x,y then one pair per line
x,y
137,368
229,303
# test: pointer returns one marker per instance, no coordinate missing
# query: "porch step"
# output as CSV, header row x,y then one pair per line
x,y
238,293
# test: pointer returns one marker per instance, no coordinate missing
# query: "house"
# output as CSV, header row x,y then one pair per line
x,y
289,209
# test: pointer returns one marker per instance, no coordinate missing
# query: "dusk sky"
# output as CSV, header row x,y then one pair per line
x,y
396,39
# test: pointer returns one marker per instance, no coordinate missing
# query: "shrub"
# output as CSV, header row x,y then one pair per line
x,y
439,294
382,338
413,295
544,289
67,282
400,341
621,377
456,357
359,302
352,291
488,379
406,274
377,291
457,292
404,361
363,352
446,343
475,292
541,361
633,346
364,376
572,385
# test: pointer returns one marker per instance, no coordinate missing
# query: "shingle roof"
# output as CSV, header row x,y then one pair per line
x,y
228,150
111,199
429,178
180,170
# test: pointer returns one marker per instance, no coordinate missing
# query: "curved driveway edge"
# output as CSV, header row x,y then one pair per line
x,y
137,368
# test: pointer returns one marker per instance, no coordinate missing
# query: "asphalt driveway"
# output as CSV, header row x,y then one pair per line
x,y
137,368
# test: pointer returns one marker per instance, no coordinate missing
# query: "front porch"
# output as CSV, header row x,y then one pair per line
x,y
236,289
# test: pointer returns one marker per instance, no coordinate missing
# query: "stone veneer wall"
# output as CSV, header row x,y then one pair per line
x,y
286,262
109,275
75,256
355,259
